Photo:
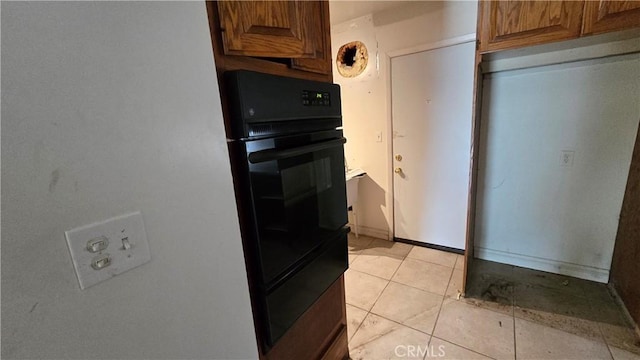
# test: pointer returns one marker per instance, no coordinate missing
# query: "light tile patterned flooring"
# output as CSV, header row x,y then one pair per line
x,y
402,302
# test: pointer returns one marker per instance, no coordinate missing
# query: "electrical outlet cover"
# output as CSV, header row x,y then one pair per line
x,y
126,248
566,158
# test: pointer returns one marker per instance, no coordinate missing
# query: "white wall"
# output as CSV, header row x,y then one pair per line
x,y
531,210
366,101
109,108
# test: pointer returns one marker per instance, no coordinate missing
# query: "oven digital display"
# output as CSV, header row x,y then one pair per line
x,y
315,98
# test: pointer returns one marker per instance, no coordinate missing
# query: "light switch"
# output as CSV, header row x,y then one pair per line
x,y
126,245
103,250
378,136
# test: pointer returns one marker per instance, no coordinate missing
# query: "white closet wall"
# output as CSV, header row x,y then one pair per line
x,y
534,210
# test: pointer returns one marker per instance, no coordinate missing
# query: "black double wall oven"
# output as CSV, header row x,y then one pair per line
x,y
288,166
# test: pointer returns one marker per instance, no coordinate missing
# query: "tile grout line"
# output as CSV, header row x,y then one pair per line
x,y
417,288
453,269
433,263
374,303
367,311
464,347
444,297
357,307
394,273
413,287
375,276
368,341
606,343
359,325
357,328
394,321
604,338
403,259
374,252
435,323
387,285
361,260
401,324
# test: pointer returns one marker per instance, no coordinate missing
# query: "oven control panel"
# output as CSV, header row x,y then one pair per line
x,y
315,98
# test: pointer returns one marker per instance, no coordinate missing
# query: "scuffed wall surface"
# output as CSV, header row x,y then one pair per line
x,y
532,209
109,108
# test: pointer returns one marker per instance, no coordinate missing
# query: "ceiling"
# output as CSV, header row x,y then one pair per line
x,y
343,10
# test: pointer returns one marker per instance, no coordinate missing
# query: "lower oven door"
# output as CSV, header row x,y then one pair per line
x,y
288,301
298,195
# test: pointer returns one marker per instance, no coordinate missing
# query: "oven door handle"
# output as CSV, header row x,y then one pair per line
x,y
271,155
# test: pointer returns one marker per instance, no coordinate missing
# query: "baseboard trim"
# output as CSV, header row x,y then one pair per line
x,y
430,246
370,231
536,263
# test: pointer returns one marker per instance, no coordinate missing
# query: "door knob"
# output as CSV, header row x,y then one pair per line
x,y
399,157
398,170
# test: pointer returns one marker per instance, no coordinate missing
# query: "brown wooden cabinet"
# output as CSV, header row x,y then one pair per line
x,y
510,24
266,28
604,16
513,24
290,38
320,33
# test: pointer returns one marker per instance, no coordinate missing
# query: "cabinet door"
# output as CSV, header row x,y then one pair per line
x,y
320,30
512,24
276,29
603,16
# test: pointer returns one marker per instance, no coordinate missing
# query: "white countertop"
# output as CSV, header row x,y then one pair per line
x,y
350,174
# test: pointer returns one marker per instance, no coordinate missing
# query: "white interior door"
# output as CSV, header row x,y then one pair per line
x,y
431,102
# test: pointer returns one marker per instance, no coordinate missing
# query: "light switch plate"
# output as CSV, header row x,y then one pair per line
x,y
125,248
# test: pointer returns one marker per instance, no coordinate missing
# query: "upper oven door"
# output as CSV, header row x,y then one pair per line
x,y
299,197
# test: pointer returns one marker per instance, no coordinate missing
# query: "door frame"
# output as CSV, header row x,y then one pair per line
x,y
390,174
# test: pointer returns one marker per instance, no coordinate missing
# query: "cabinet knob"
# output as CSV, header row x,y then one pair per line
x,y
398,170
399,157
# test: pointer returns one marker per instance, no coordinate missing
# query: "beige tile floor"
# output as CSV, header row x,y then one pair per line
x,y
402,303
